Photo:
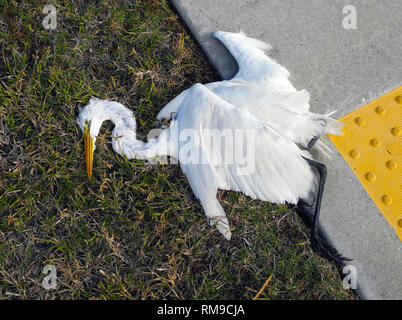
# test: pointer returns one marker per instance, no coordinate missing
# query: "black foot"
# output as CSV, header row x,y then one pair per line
x,y
319,244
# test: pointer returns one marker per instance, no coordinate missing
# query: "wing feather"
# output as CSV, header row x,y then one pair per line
x,y
274,169
254,64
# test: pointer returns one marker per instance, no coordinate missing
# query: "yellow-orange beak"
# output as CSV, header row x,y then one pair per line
x,y
89,154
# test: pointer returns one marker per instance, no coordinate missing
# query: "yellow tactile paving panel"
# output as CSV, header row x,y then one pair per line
x,y
372,146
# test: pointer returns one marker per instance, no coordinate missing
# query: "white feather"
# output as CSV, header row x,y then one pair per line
x,y
260,99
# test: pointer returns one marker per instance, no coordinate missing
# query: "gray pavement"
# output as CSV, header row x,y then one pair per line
x,y
343,69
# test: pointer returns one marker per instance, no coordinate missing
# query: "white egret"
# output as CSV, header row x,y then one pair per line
x,y
260,100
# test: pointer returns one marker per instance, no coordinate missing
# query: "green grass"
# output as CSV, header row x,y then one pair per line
x,y
136,231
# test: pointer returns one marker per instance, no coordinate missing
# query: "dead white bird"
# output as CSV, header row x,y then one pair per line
x,y
258,114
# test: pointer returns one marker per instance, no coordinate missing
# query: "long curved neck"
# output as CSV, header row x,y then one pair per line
x,y
125,143
124,140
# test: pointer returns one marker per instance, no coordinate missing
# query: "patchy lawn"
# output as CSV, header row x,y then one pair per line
x,y
136,231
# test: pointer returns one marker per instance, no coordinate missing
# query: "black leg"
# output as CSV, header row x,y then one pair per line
x,y
312,143
319,244
306,212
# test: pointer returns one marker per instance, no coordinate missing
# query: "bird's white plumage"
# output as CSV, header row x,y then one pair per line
x,y
262,88
274,179
280,175
260,98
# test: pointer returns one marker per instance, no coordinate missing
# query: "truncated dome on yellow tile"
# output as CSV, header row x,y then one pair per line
x,y
372,146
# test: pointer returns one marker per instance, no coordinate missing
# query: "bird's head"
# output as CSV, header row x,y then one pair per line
x,y
89,120
91,117
84,121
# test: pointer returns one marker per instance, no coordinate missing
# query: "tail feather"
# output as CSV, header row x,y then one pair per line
x,y
297,101
333,126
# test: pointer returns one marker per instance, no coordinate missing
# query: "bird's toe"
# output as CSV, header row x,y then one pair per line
x,y
324,249
223,227
227,234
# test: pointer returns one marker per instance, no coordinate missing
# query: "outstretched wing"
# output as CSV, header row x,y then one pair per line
x,y
223,146
267,93
254,64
